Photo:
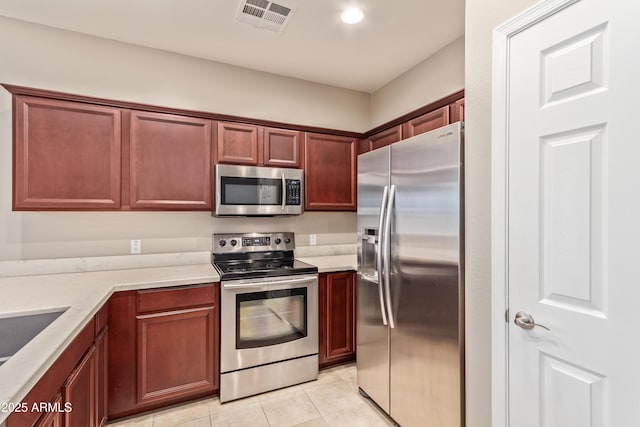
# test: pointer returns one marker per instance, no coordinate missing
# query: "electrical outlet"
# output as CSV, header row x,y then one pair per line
x,y
136,246
313,239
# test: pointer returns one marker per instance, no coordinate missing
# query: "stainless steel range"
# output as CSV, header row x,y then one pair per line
x,y
269,314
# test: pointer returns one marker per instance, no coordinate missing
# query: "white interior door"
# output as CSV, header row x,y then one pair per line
x,y
573,216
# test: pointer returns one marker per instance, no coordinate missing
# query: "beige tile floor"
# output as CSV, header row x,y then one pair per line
x,y
331,401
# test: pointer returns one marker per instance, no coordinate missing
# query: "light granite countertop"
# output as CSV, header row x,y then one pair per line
x,y
329,263
83,294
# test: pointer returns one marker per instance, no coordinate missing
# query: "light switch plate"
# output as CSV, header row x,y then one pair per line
x,y
313,239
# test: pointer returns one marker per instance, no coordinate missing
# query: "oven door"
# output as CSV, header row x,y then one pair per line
x,y
267,320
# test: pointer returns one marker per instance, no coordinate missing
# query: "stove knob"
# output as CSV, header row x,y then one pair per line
x,y
234,242
287,240
278,241
222,242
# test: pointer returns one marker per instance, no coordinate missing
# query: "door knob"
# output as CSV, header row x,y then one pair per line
x,y
526,321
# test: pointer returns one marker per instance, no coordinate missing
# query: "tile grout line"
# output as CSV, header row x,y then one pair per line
x,y
266,417
315,407
336,377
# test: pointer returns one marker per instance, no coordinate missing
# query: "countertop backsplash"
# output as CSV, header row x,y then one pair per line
x,y
327,245
100,263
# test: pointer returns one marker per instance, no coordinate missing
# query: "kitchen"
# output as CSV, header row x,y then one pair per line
x,y
37,56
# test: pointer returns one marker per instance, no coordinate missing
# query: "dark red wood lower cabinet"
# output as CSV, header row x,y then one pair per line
x,y
175,354
77,382
102,397
53,418
337,318
80,392
163,347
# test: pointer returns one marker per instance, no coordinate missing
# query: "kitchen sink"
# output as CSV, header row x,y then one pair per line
x,y
17,330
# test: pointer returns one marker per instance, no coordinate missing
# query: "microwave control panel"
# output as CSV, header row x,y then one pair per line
x,y
293,192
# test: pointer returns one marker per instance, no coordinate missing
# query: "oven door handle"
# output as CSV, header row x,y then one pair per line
x,y
249,283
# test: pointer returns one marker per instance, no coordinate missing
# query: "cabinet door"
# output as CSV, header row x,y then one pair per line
x,y
66,155
54,418
330,173
282,148
456,111
337,318
175,354
386,137
122,354
363,146
102,397
169,162
80,392
239,144
427,122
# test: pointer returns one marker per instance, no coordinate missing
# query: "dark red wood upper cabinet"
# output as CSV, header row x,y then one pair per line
x,y
456,111
283,148
363,146
330,172
385,137
67,155
427,122
169,162
239,144
337,318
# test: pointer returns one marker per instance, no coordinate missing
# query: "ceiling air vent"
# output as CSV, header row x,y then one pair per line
x,y
265,14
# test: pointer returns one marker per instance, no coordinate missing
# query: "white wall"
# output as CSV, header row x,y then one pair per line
x,y
439,75
481,17
42,57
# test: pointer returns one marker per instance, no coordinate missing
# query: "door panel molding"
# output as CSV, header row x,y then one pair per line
x,y
499,195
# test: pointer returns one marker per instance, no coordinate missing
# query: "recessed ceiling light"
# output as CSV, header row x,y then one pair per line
x,y
352,15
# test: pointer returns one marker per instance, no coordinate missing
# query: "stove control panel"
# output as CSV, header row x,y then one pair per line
x,y
253,242
257,241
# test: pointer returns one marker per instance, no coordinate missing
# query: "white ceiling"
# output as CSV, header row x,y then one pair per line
x,y
393,36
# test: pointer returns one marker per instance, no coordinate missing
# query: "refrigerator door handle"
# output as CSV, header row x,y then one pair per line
x,y
380,250
387,253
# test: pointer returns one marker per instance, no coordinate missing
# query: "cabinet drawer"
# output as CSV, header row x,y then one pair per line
x,y
175,298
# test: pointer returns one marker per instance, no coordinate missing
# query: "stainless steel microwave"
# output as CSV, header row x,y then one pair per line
x,y
255,191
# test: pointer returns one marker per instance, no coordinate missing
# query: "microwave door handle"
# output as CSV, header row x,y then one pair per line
x,y
284,191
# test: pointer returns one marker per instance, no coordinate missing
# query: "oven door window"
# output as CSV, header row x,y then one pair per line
x,y
271,317
250,191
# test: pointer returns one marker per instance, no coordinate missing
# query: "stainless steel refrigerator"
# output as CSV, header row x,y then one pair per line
x,y
410,327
